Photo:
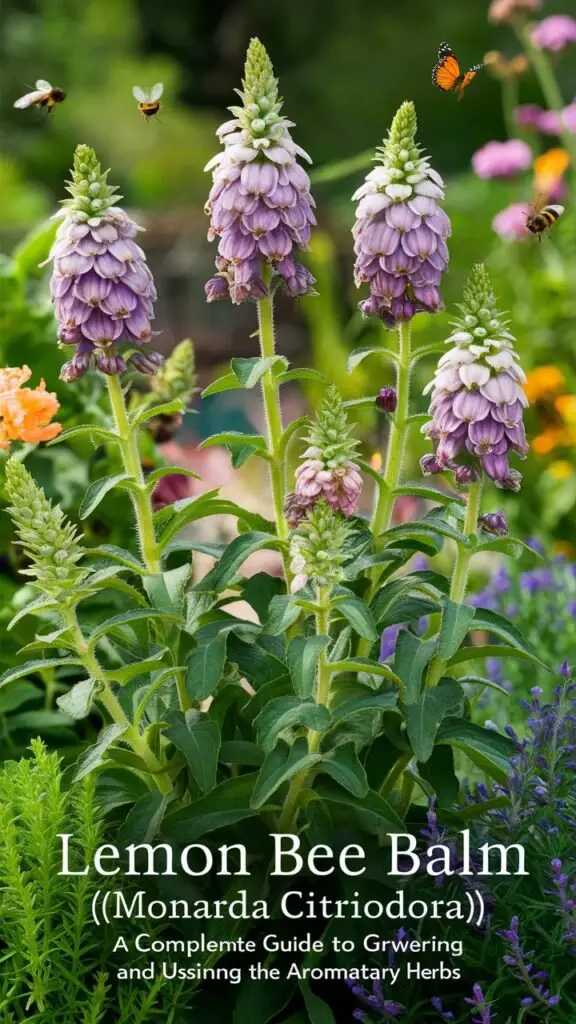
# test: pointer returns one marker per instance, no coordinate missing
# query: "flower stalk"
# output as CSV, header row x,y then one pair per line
x,y
547,81
397,440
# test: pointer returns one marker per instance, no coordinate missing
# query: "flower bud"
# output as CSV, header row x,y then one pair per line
x,y
147,363
429,464
494,523
387,399
466,475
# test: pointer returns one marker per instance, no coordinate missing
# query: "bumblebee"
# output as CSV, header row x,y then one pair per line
x,y
542,218
148,99
44,95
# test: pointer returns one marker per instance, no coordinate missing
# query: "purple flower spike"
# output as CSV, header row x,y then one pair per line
x,y
477,396
328,470
102,289
400,231
260,206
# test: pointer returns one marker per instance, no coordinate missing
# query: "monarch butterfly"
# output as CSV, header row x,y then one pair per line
x,y
447,75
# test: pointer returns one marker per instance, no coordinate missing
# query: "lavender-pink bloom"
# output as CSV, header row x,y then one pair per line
x,y
477,397
102,289
400,231
260,206
502,159
555,32
328,470
510,223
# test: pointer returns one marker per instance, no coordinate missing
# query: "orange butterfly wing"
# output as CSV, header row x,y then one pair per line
x,y
467,78
446,70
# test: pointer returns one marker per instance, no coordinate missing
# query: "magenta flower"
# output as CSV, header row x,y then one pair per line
x,y
555,32
502,159
102,289
260,206
477,398
328,471
400,231
510,223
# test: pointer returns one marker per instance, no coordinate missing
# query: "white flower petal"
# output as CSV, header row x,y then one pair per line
x,y
398,191
474,374
428,188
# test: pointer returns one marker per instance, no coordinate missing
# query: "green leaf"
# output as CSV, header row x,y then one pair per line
x,y
148,412
103,435
236,439
250,371
225,805
280,765
282,612
78,701
99,489
228,382
494,651
158,474
143,821
509,546
456,621
94,755
199,741
318,1011
358,614
485,747
124,673
491,622
373,668
439,772
359,354
44,664
427,494
262,999
283,713
16,696
483,682
411,657
120,555
35,607
124,618
304,373
343,766
235,555
423,717
259,590
373,701
166,589
374,811
302,658
241,752
205,666
426,530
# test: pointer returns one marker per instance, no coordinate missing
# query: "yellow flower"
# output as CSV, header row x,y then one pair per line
x,y
25,413
549,168
561,469
544,382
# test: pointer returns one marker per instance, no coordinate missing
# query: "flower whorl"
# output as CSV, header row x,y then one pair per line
x,y
400,231
328,470
477,398
317,548
260,204
102,289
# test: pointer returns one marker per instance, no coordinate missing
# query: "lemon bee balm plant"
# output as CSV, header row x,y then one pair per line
x,y
294,720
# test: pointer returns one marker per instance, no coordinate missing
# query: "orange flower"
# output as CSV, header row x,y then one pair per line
x,y
566,406
548,441
25,413
549,168
544,382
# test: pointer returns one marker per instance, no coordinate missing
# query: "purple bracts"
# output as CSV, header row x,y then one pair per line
x,y
102,289
400,231
477,395
260,206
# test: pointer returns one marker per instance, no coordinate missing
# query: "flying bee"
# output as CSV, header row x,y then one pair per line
x,y
42,96
542,216
148,99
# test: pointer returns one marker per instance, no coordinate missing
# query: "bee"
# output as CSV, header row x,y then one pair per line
x,y
542,216
43,96
148,99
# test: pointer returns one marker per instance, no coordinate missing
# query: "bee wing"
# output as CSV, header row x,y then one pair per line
x,y
29,99
156,91
43,85
139,94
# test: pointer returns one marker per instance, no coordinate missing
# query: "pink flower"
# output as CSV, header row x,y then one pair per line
x,y
508,10
569,117
502,159
510,223
548,122
555,32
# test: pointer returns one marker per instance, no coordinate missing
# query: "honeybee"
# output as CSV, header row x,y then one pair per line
x,y
42,96
148,99
542,216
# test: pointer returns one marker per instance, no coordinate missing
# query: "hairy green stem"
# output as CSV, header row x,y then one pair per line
x,y
509,104
106,695
128,441
397,440
322,696
547,81
395,773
